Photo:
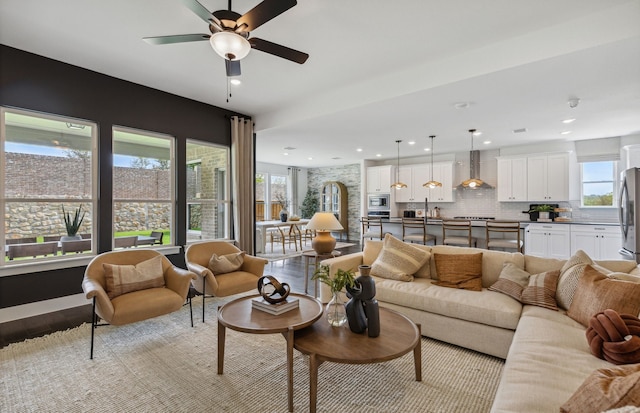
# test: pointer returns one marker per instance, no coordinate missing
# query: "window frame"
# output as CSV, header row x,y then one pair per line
x,y
614,181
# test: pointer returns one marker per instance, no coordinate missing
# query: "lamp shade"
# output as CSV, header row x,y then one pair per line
x,y
230,45
324,221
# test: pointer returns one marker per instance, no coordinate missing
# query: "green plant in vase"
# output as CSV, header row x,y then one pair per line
x,y
336,313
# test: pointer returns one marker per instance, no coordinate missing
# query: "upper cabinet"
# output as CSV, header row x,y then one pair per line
x,y
379,179
416,175
548,177
512,179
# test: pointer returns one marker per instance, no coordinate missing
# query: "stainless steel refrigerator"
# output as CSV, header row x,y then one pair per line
x,y
629,210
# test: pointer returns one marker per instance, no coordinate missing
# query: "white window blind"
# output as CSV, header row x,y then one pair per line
x,y
598,150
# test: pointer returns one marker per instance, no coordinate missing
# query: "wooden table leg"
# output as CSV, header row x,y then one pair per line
x,y
221,337
417,355
313,382
306,274
290,367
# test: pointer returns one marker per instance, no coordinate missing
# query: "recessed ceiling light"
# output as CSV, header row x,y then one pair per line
x,y
310,158
477,133
411,142
235,82
359,150
427,149
568,120
486,142
286,153
378,155
565,132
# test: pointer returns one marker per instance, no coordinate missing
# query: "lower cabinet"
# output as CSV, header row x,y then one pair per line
x,y
548,240
600,242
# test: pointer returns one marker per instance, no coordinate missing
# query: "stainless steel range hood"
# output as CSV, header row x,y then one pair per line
x,y
474,181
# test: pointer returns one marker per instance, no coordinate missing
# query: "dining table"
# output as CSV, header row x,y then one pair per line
x,y
263,226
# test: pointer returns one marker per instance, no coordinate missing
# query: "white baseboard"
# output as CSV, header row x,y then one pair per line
x,y
42,307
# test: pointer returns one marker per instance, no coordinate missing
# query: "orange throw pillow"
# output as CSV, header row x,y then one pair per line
x,y
462,271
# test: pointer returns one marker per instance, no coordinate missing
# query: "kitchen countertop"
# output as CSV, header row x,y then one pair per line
x,y
437,221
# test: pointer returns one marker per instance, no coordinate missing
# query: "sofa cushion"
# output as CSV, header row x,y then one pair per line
x,y
606,389
484,307
459,271
492,261
122,279
398,260
222,264
512,281
536,265
570,274
596,293
370,252
541,290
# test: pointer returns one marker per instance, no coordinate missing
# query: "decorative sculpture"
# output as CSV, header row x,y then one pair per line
x,y
270,288
363,312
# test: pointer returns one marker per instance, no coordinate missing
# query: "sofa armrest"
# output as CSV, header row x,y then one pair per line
x,y
179,280
202,273
254,265
344,262
93,289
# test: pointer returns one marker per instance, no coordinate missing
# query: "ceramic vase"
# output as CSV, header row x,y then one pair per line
x,y
284,215
336,312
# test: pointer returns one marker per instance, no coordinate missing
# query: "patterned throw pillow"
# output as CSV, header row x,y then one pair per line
x,y
462,271
122,279
541,290
398,260
570,274
596,292
222,264
512,281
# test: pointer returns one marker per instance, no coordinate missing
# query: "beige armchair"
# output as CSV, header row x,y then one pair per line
x,y
142,304
197,258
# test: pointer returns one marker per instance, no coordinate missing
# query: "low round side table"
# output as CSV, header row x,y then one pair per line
x,y
398,336
317,258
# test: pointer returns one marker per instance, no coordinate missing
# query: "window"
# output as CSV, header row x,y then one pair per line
x,y
47,165
142,187
598,183
208,203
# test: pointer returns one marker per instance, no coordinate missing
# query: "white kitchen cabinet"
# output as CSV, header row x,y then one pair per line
x,y
600,242
379,179
548,177
443,173
548,240
414,176
512,179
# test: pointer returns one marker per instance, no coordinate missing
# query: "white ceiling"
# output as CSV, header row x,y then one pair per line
x,y
378,70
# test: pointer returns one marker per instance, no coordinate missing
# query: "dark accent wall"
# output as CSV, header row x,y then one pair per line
x,y
32,82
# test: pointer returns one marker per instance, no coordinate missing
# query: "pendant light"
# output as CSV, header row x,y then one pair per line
x,y
472,182
397,184
432,184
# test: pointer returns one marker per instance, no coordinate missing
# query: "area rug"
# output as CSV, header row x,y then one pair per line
x,y
290,252
164,365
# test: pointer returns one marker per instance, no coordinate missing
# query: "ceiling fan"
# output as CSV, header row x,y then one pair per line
x,y
230,33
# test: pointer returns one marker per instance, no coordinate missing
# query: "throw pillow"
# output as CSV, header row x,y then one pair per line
x,y
596,293
512,281
222,264
570,274
624,277
459,271
398,260
541,290
606,389
614,337
122,279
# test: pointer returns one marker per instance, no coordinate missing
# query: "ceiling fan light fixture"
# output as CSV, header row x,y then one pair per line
x,y
230,45
397,184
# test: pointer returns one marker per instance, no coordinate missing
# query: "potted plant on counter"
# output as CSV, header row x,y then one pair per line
x,y
543,211
73,225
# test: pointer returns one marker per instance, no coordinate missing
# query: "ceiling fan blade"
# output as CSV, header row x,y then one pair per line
x,y
262,13
278,50
178,38
202,12
233,67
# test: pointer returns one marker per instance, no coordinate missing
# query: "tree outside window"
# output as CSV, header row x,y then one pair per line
x,y
598,184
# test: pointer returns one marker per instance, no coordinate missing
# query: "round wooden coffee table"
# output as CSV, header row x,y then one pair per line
x,y
240,316
398,336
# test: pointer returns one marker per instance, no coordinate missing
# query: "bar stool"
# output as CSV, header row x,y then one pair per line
x,y
459,233
371,228
501,228
415,230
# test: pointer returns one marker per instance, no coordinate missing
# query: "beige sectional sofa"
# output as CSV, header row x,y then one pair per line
x,y
547,354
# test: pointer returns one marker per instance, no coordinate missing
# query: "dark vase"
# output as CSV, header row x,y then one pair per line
x,y
363,312
284,216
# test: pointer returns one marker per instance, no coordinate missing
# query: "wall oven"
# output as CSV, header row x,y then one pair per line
x,y
379,202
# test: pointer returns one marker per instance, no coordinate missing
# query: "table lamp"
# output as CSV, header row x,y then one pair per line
x,y
323,223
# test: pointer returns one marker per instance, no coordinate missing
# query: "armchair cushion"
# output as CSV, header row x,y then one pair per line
x,y
122,279
222,264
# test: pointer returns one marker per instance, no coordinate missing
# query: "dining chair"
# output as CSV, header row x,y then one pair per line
x,y
371,229
504,234
415,230
457,232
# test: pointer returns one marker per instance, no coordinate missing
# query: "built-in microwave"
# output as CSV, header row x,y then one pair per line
x,y
379,202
